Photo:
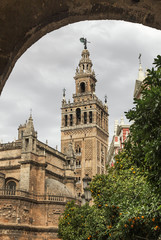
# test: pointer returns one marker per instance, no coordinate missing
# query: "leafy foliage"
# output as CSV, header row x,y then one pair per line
x,y
130,200
125,207
145,133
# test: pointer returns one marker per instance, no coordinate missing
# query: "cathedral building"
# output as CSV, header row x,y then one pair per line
x,y
85,124
36,180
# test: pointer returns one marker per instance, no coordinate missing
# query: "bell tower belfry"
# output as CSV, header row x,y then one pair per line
x,y
85,124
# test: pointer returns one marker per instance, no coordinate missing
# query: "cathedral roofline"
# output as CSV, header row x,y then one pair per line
x,y
51,150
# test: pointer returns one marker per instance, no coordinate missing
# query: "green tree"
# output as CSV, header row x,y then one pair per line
x,y
133,206
145,133
125,207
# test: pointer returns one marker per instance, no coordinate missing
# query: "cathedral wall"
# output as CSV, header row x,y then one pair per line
x,y
10,162
55,164
15,211
26,213
25,177
12,173
55,169
27,234
13,154
37,180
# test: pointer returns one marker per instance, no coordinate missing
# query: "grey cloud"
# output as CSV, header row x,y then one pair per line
x,y
49,65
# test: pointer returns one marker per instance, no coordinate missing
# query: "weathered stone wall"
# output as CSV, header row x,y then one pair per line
x,y
26,233
24,23
2,180
27,219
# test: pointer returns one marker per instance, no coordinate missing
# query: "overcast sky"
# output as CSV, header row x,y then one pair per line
x,y
48,66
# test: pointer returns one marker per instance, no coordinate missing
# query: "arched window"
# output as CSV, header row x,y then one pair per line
x,y
78,116
11,187
82,87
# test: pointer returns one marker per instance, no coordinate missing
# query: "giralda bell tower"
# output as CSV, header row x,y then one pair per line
x,y
85,123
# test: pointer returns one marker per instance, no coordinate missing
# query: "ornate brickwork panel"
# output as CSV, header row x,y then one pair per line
x,y
65,147
101,135
78,131
88,171
98,151
88,150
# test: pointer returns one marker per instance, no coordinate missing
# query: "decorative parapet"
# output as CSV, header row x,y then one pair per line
x,y
10,146
94,100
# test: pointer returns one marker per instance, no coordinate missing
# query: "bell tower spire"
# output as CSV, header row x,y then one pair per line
x,y
85,80
86,121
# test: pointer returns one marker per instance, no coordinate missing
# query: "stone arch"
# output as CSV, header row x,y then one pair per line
x,y
82,87
24,23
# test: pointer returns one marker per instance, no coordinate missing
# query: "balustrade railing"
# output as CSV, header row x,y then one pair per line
x,y
32,196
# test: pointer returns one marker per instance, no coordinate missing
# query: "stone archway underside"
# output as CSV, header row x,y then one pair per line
x,y
23,22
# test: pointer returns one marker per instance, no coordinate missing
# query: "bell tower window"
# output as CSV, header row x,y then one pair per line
x,y
26,143
66,120
85,117
90,117
82,87
78,116
71,119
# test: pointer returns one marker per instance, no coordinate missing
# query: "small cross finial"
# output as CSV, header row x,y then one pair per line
x,y
30,112
64,90
105,98
139,58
